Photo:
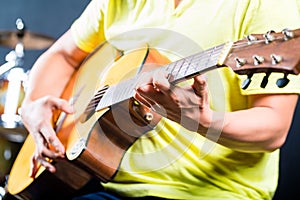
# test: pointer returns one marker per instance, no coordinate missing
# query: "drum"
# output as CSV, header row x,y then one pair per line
x,y
8,153
11,96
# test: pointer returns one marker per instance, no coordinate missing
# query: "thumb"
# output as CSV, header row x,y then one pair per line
x,y
200,85
200,88
62,104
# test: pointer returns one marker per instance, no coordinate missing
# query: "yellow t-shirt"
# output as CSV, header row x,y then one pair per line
x,y
170,161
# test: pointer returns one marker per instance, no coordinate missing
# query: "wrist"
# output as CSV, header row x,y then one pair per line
x,y
212,121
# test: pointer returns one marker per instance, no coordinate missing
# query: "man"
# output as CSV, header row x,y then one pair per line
x,y
217,141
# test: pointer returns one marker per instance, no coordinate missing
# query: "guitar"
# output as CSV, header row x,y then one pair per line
x,y
108,120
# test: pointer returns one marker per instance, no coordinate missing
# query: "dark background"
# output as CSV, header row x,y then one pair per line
x,y
53,17
47,17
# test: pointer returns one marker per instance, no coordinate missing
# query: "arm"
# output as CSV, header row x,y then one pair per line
x,y
262,127
47,80
54,68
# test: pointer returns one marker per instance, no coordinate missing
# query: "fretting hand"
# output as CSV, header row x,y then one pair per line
x,y
187,105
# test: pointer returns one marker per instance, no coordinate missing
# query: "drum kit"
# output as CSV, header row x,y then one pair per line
x,y
13,79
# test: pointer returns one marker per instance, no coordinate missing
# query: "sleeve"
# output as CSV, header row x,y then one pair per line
x,y
88,29
298,4
270,15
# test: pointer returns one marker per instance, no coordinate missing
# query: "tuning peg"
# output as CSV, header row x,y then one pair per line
x,y
275,59
258,59
247,82
265,80
240,62
282,82
251,39
288,34
269,37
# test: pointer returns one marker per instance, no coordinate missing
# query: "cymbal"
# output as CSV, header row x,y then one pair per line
x,y
30,40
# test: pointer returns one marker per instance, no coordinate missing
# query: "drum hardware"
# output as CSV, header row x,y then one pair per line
x,y
2,193
11,117
14,58
21,39
30,40
12,88
3,187
13,80
8,153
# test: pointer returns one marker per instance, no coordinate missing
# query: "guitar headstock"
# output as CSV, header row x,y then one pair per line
x,y
266,53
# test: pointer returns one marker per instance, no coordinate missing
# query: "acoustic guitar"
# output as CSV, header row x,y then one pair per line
x,y
108,120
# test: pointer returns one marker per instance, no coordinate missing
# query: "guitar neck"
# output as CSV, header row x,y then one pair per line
x,y
180,70
199,63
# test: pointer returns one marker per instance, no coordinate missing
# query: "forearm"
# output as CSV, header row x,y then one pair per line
x,y
47,78
53,69
260,128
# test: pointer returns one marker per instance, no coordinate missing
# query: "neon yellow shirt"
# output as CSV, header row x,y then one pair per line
x,y
171,161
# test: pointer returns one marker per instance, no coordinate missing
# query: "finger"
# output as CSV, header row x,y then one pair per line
x,y
152,78
43,148
45,162
51,139
34,167
37,161
147,95
144,79
158,82
60,104
199,85
161,81
49,153
141,99
200,88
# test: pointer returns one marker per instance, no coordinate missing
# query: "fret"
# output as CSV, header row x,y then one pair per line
x,y
188,64
195,64
177,67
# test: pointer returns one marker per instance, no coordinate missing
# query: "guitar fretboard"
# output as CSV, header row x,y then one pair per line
x,y
180,70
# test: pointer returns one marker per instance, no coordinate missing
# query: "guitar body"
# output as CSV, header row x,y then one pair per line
x,y
99,133
95,141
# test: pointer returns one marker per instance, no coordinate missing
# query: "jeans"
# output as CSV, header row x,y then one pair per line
x,y
97,196
107,196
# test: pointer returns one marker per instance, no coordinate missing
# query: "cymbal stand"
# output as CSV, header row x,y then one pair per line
x,y
15,76
3,189
15,58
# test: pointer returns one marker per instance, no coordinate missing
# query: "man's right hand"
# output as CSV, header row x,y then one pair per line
x,y
37,118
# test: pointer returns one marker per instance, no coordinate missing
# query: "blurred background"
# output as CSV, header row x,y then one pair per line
x,y
44,22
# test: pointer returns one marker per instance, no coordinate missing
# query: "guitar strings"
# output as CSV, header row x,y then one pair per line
x,y
210,56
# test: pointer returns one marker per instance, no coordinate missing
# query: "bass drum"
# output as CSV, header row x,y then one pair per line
x,y
12,93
